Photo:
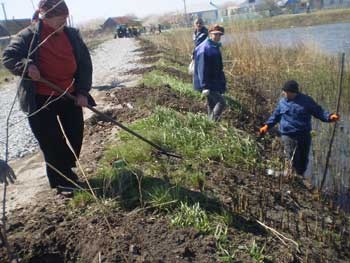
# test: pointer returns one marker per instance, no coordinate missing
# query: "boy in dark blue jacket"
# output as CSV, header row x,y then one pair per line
x,y
294,112
200,32
209,77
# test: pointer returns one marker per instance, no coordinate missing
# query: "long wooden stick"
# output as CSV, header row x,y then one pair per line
x,y
335,124
68,95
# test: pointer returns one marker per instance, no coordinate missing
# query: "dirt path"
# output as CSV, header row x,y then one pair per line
x,y
111,60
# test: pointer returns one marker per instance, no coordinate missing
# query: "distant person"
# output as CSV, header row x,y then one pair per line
x,y
128,32
294,112
120,32
124,32
199,35
200,32
209,77
159,28
49,49
307,7
135,32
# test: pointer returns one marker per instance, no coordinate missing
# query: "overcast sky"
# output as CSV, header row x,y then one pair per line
x,y
83,10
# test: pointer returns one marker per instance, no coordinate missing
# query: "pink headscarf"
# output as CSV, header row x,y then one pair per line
x,y
50,8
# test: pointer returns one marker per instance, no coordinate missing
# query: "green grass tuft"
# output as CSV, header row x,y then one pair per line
x,y
159,78
192,216
81,199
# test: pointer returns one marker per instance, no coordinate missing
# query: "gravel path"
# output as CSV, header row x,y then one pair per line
x,y
21,140
110,60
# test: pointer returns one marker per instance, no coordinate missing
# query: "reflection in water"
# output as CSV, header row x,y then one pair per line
x,y
339,172
331,38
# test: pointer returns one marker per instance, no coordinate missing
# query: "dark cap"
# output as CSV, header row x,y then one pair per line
x,y
291,86
216,29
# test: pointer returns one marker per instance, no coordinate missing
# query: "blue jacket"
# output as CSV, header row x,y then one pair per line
x,y
294,116
208,68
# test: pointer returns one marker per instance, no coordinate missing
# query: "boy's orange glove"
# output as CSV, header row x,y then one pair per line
x,y
263,129
334,117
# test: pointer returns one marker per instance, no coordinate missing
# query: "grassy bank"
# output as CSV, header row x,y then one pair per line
x,y
255,73
218,187
4,74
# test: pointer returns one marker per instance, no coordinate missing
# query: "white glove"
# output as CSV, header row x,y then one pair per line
x,y
205,92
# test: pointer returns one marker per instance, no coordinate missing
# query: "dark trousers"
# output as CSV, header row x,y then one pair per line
x,y
216,105
297,148
47,131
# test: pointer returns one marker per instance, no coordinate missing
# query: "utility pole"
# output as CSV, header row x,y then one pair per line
x,y
185,13
4,10
5,17
217,10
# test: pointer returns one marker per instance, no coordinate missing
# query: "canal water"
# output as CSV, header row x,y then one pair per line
x,y
331,38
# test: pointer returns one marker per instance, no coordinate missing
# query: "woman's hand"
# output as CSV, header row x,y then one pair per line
x,y
81,100
33,72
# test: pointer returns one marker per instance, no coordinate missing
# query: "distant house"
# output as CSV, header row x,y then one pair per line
x,y
232,9
13,26
113,22
207,12
329,3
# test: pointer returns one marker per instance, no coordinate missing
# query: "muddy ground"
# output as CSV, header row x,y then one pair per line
x,y
51,231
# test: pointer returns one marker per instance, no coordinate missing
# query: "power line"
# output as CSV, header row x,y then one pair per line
x,y
185,13
33,5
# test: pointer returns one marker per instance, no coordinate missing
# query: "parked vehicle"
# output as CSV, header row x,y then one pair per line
x,y
120,31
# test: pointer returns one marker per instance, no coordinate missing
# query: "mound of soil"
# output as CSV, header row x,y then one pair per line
x,y
57,234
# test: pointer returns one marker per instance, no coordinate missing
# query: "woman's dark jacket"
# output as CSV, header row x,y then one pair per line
x,y
16,59
208,67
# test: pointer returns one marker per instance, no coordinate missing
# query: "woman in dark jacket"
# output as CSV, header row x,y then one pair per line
x,y
50,50
209,77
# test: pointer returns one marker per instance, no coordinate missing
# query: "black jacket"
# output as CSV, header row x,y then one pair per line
x,y
15,58
200,36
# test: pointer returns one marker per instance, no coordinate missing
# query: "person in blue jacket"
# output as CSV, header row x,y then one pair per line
x,y
209,77
293,113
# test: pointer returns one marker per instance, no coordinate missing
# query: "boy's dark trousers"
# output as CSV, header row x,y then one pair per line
x,y
297,147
